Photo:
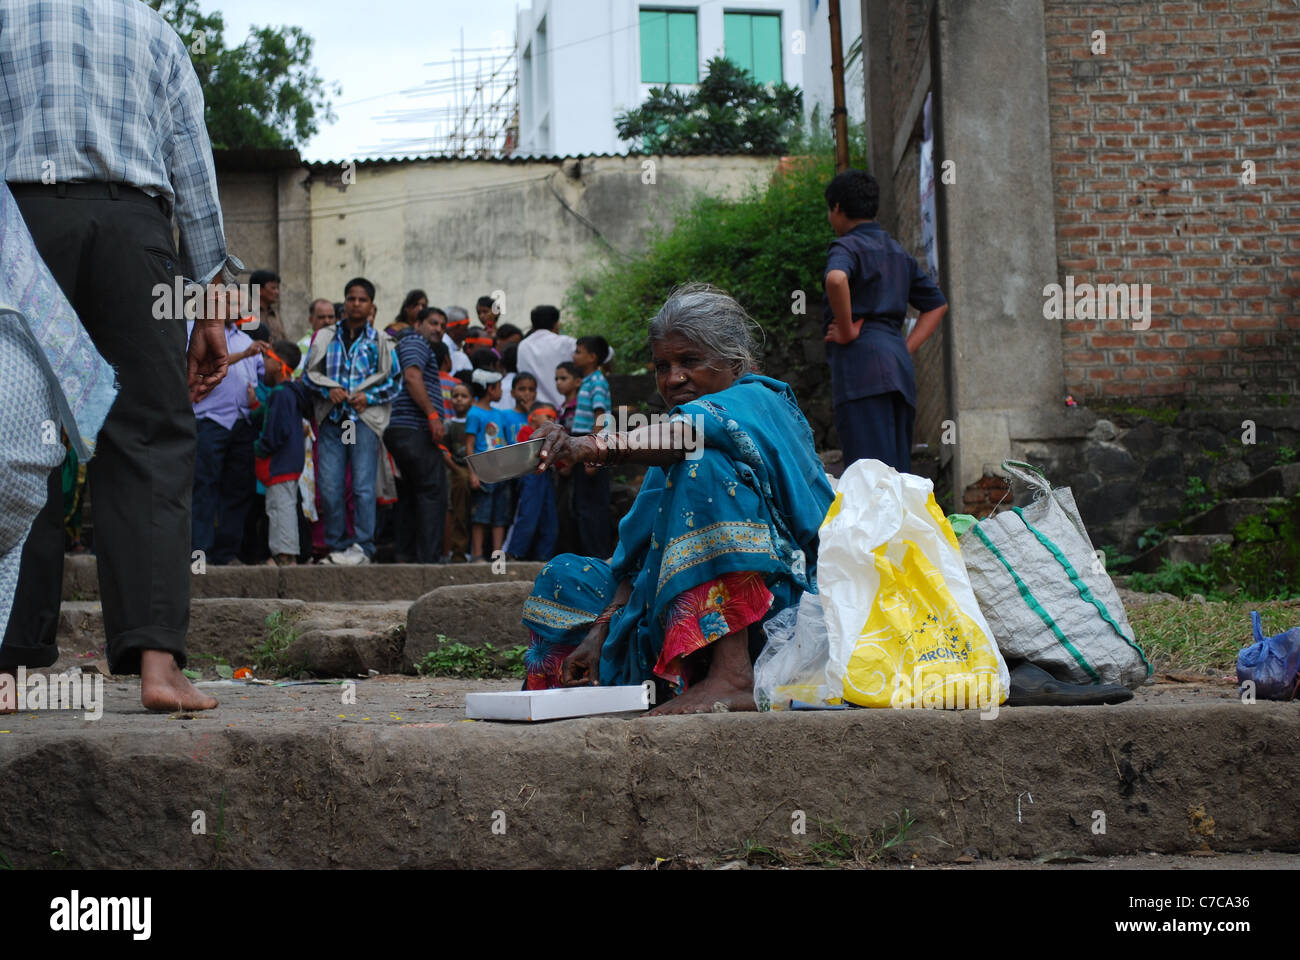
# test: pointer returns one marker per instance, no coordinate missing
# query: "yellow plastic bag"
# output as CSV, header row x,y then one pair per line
x,y
904,627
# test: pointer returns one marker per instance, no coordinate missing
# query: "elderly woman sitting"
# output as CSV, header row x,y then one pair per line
x,y
722,535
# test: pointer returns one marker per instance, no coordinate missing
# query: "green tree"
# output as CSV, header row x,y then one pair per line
x,y
262,94
729,112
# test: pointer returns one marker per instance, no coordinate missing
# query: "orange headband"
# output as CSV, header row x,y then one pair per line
x,y
457,323
288,370
550,410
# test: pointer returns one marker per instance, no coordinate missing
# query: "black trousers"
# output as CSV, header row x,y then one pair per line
x,y
593,525
225,489
877,428
107,255
421,495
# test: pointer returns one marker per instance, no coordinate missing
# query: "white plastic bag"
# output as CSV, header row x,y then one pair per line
x,y
792,665
904,627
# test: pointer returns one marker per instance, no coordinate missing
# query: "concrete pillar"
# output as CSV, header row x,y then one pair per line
x,y
293,241
998,232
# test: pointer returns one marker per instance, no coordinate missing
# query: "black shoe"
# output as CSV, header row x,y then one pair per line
x,y
1033,686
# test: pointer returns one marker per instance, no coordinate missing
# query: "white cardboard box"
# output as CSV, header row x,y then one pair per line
x,y
556,704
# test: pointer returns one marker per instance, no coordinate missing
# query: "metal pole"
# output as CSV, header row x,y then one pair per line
x,y
839,116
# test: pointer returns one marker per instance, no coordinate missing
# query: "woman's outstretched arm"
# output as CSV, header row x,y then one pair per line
x,y
655,445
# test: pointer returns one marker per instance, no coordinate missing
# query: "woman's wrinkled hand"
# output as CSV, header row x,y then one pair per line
x,y
561,449
582,667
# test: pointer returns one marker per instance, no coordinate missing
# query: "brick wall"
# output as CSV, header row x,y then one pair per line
x,y
1148,145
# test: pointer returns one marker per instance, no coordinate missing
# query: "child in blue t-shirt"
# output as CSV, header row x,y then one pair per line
x,y
593,394
486,429
593,527
524,392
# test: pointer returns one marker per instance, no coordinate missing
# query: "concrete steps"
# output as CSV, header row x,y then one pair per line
x,y
1283,481
335,634
1223,517
234,630
1180,548
396,581
300,780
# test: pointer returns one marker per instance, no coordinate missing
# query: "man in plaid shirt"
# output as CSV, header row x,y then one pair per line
x,y
353,367
102,140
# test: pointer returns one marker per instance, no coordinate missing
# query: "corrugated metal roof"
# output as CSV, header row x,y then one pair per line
x,y
519,158
250,160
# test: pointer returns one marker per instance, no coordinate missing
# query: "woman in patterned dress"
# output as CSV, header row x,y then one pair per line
x,y
722,535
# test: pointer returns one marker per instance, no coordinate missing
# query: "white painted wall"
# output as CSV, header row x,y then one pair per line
x,y
817,59
579,65
461,229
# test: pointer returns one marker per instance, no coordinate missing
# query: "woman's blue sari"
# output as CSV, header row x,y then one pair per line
x,y
751,500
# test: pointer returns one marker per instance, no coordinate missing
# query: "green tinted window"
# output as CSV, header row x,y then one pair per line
x,y
753,41
669,52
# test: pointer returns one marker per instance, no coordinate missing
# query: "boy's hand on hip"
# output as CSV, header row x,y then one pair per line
x,y
836,333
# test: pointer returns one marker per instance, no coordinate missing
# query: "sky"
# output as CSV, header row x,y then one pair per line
x,y
375,49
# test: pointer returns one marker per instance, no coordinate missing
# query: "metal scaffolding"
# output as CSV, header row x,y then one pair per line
x,y
475,112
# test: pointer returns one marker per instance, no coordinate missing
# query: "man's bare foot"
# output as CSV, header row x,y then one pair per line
x,y
728,687
163,686
8,692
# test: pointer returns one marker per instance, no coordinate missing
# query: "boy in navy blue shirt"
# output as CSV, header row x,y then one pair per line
x,y
870,281
280,451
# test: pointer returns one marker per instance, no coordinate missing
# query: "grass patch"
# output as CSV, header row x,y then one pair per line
x,y
280,634
1205,637
835,846
454,659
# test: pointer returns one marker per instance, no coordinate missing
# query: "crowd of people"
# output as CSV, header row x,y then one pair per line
x,y
361,434
322,448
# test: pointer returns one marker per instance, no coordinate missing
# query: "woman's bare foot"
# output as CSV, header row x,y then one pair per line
x,y
8,692
728,687
163,686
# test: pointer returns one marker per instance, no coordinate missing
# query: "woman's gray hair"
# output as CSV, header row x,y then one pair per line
x,y
712,320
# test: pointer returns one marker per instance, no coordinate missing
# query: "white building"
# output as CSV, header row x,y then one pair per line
x,y
581,62
817,60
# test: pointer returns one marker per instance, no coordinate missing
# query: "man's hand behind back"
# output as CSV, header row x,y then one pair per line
x,y
206,359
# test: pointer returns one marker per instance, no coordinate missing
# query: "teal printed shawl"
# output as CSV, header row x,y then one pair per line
x,y
753,501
